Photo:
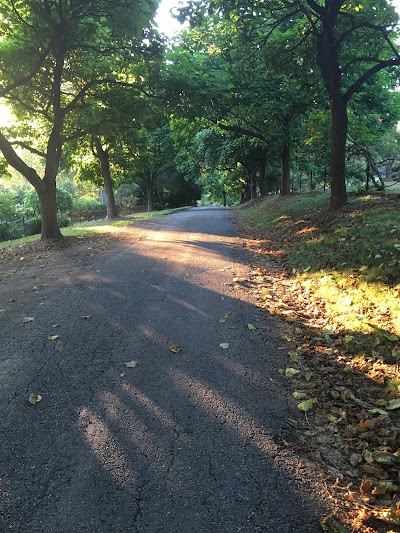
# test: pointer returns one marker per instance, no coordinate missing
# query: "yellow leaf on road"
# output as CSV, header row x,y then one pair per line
x,y
28,319
174,348
224,318
34,398
224,345
53,337
131,364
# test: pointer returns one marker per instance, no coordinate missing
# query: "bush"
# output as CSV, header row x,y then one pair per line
x,y
10,231
7,205
63,221
86,204
33,226
127,195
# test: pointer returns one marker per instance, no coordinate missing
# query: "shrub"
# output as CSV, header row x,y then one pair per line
x,y
127,195
33,226
7,205
63,221
86,204
10,231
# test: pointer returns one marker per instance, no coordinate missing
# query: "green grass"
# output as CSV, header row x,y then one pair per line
x,y
94,227
350,258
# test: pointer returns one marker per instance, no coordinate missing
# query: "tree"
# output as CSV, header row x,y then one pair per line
x,y
352,41
224,76
53,57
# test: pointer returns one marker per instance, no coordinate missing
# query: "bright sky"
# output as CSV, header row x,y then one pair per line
x,y
169,26
166,24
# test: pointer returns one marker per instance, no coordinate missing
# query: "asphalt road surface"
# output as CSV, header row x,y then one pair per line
x,y
180,442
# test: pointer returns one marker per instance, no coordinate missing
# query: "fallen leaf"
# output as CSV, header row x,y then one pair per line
x,y
290,372
34,398
294,357
386,458
250,327
299,395
355,459
393,404
53,337
307,405
86,317
28,319
366,486
377,412
224,318
40,287
174,348
348,339
131,364
224,345
390,337
332,524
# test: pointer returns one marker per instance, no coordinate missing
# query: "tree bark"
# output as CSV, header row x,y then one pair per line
x,y
104,158
338,152
150,199
45,188
224,197
285,164
48,207
262,179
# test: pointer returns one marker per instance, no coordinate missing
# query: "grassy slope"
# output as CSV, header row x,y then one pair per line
x,y
94,227
334,277
350,258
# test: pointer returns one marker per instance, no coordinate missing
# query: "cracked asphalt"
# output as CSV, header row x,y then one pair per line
x,y
192,441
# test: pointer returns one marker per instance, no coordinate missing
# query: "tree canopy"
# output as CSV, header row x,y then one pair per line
x,y
250,99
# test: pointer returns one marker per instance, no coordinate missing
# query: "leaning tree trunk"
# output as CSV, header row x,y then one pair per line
x,y
104,158
338,152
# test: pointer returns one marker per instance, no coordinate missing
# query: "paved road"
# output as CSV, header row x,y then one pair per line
x,y
183,442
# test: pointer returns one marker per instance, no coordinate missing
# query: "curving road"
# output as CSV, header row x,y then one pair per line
x,y
184,441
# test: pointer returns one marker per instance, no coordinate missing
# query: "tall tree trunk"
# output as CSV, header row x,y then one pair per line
x,y
104,158
48,208
338,151
262,180
329,64
224,197
285,164
253,188
150,199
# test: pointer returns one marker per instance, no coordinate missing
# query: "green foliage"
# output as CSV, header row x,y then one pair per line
x,y
127,195
86,204
7,205
64,202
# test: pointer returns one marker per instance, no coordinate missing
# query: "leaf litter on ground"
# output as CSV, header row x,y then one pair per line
x,y
353,378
